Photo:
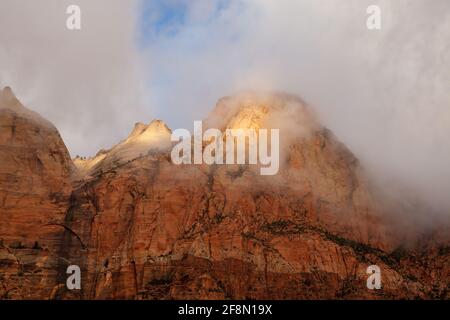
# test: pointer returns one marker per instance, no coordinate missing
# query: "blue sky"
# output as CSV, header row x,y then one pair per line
x,y
357,80
165,18
174,33
93,85
159,16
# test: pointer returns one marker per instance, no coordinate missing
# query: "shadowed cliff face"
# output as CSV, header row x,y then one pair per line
x,y
35,186
141,227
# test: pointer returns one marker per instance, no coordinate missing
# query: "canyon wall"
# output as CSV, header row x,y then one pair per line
x,y
141,227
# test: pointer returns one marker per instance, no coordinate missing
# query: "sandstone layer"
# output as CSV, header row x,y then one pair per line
x,y
141,227
35,187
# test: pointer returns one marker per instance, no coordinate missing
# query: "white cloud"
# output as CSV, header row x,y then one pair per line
x,y
86,82
384,93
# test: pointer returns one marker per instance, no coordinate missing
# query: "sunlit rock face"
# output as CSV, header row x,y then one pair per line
x,y
144,139
141,227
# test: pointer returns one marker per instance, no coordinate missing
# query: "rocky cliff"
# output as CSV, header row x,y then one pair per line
x,y
141,227
35,186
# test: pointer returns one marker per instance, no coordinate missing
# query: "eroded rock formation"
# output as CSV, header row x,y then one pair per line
x,y
35,187
141,227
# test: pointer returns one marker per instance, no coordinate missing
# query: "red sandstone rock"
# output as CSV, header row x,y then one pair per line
x,y
35,187
144,228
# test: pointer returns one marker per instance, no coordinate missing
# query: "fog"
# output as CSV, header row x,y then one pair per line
x,y
87,82
384,93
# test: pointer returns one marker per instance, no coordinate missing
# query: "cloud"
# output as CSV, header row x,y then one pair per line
x,y
86,82
384,93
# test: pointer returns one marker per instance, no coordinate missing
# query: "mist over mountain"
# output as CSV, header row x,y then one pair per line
x,y
384,93
141,227
86,175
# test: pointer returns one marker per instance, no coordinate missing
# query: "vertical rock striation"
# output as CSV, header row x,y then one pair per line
x,y
35,187
141,227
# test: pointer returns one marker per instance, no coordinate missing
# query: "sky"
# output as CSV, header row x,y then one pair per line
x,y
384,93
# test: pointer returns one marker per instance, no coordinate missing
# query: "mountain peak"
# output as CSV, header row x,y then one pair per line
x,y
7,90
256,110
155,127
223,224
143,139
139,127
8,100
148,135
158,126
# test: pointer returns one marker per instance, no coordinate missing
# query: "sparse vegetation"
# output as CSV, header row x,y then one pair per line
x,y
36,246
160,282
280,227
360,249
399,253
239,173
16,245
